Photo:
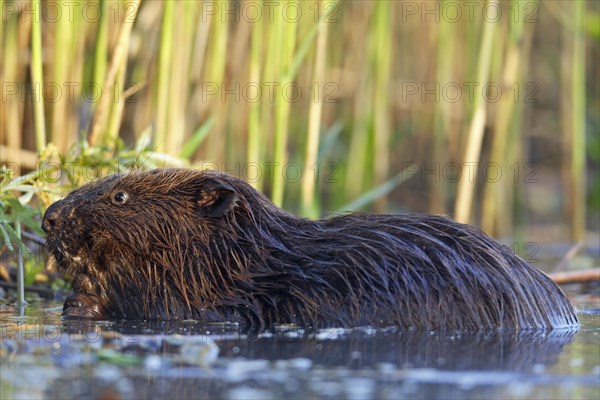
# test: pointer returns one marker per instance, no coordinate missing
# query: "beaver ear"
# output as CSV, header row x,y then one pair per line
x,y
216,199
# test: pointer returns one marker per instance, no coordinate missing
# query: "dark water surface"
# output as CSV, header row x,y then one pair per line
x,y
43,356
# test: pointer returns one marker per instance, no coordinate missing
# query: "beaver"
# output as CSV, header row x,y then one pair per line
x,y
186,244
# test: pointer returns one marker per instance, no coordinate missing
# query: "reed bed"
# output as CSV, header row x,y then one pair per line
x,y
437,106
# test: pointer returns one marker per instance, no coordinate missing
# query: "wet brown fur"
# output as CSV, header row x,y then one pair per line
x,y
205,245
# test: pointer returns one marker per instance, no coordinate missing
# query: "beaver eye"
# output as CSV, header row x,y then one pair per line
x,y
120,198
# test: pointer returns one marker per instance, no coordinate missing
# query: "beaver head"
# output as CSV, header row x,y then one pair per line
x,y
153,244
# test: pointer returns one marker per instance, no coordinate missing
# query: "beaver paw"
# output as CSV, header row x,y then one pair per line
x,y
81,306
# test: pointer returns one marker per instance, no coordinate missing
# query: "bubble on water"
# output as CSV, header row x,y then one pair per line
x,y
387,368
327,388
55,348
368,330
576,362
299,363
153,362
468,381
539,368
238,370
359,388
199,351
295,334
108,372
246,393
329,334
520,389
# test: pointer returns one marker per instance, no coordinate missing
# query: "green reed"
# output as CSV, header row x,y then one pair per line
x,y
37,77
185,58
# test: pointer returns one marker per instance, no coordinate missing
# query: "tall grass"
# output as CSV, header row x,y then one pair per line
x,y
284,32
497,199
37,79
359,149
215,81
255,151
578,145
478,119
165,74
310,206
382,50
442,123
111,95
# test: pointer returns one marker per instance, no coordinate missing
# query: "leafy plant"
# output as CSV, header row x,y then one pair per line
x,y
23,199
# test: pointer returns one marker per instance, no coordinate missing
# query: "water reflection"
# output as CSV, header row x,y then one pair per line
x,y
190,359
449,350
350,348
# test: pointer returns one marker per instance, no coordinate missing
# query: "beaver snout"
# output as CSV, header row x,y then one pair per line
x,y
50,218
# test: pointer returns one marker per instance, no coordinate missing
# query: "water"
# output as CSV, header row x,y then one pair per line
x,y
44,357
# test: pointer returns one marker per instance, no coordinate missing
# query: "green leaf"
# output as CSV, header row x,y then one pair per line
x,y
26,198
197,138
592,24
379,191
117,358
305,45
329,139
8,232
16,184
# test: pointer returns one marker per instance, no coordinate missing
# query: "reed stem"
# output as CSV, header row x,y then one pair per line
x,y
37,80
466,186
310,207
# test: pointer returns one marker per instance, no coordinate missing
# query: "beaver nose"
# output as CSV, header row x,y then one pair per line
x,y
50,217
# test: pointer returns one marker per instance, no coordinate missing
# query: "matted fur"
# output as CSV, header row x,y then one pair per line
x,y
205,245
